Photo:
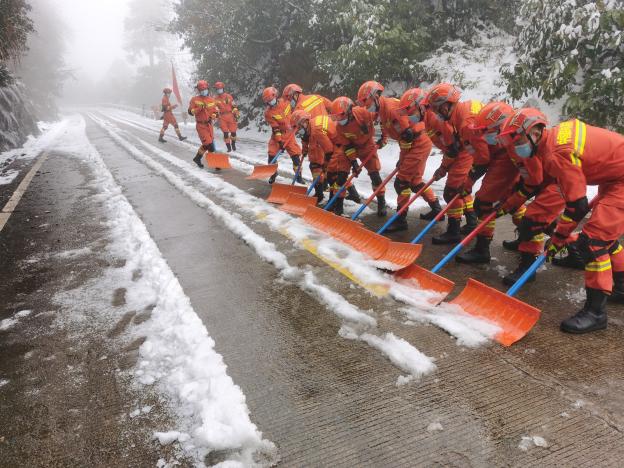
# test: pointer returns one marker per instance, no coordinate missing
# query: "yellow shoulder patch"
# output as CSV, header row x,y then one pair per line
x,y
564,134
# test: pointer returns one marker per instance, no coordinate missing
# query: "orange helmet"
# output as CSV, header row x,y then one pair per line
x,y
442,93
202,84
520,123
269,94
341,108
291,89
489,120
298,117
368,91
219,85
167,90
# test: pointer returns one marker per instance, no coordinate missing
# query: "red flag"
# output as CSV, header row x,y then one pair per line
x,y
174,84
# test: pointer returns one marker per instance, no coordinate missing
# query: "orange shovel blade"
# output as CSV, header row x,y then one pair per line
x,y
426,280
263,172
280,192
218,161
297,204
514,317
401,254
368,242
319,218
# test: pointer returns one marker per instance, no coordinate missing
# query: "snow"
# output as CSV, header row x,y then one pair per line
x,y
3,382
178,356
7,323
528,442
8,176
23,313
435,427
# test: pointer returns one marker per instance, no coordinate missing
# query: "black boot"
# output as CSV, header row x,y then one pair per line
x,y
161,139
479,254
526,260
229,147
272,178
572,260
471,222
318,191
338,207
452,234
399,224
234,145
511,244
592,317
353,195
296,161
435,209
381,206
618,287
197,160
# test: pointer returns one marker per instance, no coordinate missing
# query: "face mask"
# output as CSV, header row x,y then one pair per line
x,y
293,103
470,149
219,91
524,151
414,118
343,121
301,132
372,108
272,102
490,138
203,92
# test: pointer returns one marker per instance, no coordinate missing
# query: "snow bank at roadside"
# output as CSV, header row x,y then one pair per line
x,y
178,356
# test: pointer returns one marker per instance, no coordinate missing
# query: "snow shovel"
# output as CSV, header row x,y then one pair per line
x,y
217,160
514,317
298,203
431,279
433,222
353,175
267,170
279,192
405,206
374,194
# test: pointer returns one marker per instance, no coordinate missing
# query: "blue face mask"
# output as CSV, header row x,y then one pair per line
x,y
272,102
415,118
343,121
490,138
219,91
524,151
203,92
372,108
293,103
301,132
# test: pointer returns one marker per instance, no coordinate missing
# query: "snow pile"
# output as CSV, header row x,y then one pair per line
x,y
12,321
35,145
178,355
528,442
435,427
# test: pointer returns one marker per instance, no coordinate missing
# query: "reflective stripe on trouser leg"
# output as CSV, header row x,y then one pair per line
x,y
518,215
429,195
469,203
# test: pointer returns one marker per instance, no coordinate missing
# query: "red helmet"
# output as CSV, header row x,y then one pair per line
x,y
291,89
202,84
492,116
442,93
269,94
167,90
219,85
368,91
520,123
412,98
298,117
341,107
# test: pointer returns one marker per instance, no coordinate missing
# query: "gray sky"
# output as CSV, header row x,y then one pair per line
x,y
96,33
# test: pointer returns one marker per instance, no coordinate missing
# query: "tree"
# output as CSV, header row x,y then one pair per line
x,y
573,49
15,26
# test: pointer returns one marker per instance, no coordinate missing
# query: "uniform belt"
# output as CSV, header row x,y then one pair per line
x,y
203,122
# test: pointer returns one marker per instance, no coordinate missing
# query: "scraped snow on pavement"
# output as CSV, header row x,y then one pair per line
x,y
178,356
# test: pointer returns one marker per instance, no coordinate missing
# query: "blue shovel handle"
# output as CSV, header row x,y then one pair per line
x,y
383,228
297,172
276,157
539,261
311,187
331,202
422,233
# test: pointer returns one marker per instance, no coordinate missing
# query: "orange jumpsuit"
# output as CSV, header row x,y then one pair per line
x,y
313,104
459,160
278,117
205,111
413,154
576,155
354,140
227,119
319,143
168,117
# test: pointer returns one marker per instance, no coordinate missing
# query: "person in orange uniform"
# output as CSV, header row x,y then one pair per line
x,y
415,145
277,115
313,104
459,116
492,162
317,134
355,139
576,155
228,115
168,117
204,109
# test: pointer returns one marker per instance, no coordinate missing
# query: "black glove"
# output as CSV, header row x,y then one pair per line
x,y
408,135
398,163
328,157
355,166
453,149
